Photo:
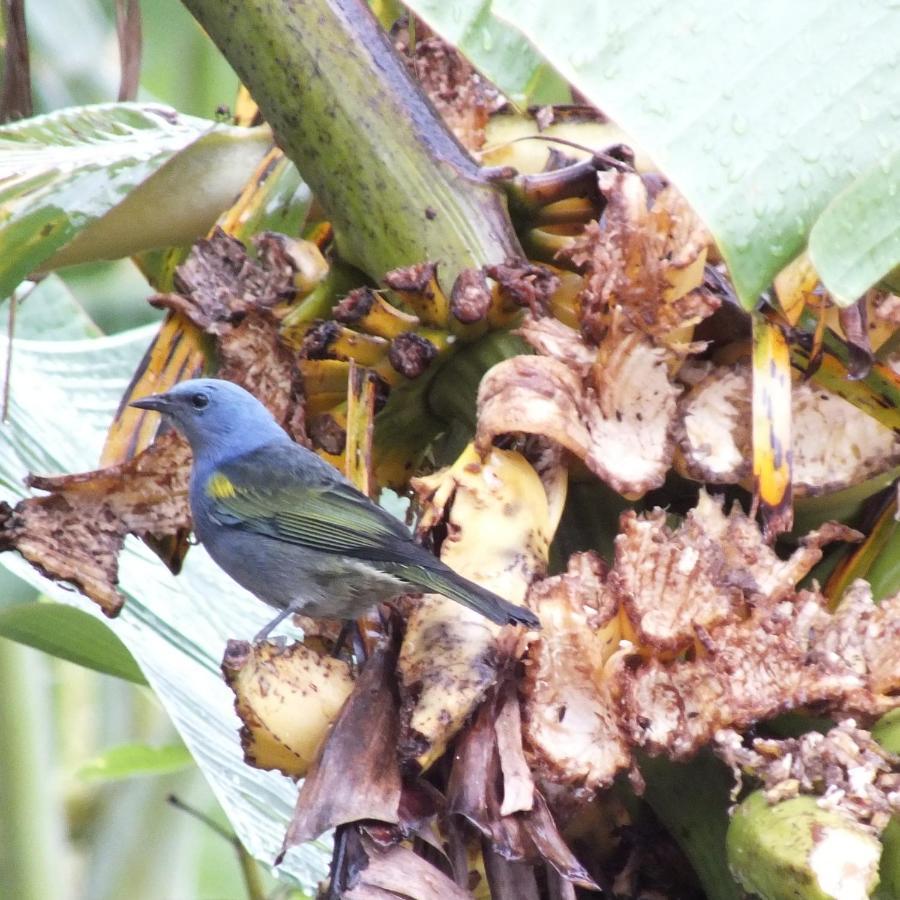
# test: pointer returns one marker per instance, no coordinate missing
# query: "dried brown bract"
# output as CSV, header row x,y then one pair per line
x,y
672,584
788,655
462,97
644,259
218,283
75,534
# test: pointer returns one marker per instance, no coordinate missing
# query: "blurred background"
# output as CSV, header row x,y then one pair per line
x,y
95,758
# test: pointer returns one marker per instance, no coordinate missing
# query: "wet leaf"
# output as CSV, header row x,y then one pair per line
x,y
758,173
106,181
856,241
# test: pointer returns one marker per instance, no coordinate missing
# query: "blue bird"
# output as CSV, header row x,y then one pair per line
x,y
289,527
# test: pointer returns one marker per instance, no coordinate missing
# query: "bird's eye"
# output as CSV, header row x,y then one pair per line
x,y
199,401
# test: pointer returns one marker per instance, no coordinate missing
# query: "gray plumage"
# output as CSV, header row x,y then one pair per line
x,y
290,528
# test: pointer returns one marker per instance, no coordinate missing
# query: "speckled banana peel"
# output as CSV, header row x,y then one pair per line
x,y
287,698
500,520
797,850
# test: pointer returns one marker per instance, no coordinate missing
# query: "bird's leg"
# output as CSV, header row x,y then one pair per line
x,y
342,637
262,635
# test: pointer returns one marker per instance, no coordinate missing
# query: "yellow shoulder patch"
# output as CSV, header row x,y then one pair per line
x,y
219,487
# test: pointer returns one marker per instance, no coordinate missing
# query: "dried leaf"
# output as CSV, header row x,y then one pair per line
x,y
461,96
75,534
287,698
752,670
518,785
570,718
357,775
473,792
398,872
752,564
644,263
219,283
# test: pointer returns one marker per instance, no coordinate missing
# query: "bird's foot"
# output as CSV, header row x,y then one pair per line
x,y
264,633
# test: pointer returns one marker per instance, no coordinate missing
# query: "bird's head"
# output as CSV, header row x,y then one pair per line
x,y
217,417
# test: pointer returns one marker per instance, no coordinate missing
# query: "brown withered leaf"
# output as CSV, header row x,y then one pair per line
x,y
75,534
474,793
356,775
834,444
671,583
615,414
253,355
219,283
508,880
518,785
397,872
787,655
644,259
463,98
570,719
846,768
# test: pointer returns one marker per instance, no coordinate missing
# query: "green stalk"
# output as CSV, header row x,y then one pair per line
x,y
691,799
31,835
396,185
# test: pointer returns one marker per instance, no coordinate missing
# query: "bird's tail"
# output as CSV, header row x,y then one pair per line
x,y
447,582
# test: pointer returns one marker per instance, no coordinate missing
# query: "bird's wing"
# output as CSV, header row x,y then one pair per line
x,y
287,492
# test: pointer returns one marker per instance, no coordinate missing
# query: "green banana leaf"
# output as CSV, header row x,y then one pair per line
x,y
856,241
62,398
106,181
759,111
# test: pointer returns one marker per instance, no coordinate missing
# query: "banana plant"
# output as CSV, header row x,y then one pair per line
x,y
565,327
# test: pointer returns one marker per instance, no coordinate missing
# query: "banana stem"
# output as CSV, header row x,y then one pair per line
x,y
397,186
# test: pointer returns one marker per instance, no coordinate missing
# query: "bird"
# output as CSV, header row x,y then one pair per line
x,y
290,528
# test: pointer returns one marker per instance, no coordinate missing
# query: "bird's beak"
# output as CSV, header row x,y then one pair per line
x,y
157,402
